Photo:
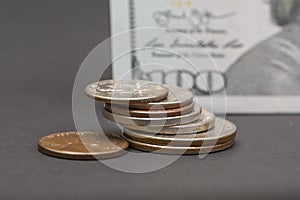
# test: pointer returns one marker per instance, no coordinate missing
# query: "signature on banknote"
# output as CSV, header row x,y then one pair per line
x,y
196,18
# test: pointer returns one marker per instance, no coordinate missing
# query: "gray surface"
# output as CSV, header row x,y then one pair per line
x,y
42,46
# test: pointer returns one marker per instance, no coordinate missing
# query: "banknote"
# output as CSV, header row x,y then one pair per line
x,y
241,56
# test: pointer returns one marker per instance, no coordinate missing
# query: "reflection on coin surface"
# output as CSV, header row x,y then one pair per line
x,y
178,150
222,132
122,110
82,145
205,122
126,91
165,121
176,98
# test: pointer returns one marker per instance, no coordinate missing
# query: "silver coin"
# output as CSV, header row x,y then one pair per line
x,y
222,132
133,112
158,122
205,122
126,91
178,150
177,97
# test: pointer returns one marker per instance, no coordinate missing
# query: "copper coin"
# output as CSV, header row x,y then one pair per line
x,y
122,110
222,132
177,97
178,150
126,91
205,122
158,122
82,145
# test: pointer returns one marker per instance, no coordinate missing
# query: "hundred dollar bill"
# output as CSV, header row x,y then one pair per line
x,y
243,56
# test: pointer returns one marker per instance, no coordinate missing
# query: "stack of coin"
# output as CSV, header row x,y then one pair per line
x,y
160,118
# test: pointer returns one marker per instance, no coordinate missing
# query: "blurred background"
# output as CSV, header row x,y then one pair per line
x,y
42,46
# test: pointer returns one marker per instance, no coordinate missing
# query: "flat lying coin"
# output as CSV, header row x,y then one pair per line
x,y
223,132
158,122
122,110
205,122
126,91
82,145
176,98
178,150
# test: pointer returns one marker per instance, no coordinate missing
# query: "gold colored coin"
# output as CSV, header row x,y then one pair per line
x,y
126,91
177,97
158,122
82,145
222,132
122,110
178,150
205,122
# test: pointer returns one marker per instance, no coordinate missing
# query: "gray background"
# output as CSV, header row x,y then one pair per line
x,y
42,46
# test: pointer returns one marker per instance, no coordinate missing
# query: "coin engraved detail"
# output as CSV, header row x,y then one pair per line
x,y
126,91
81,145
177,97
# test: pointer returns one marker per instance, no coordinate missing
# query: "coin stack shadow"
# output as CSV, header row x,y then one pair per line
x,y
174,125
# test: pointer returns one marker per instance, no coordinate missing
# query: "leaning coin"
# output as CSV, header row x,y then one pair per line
x,y
205,122
82,145
176,98
178,150
122,110
157,122
126,91
222,132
